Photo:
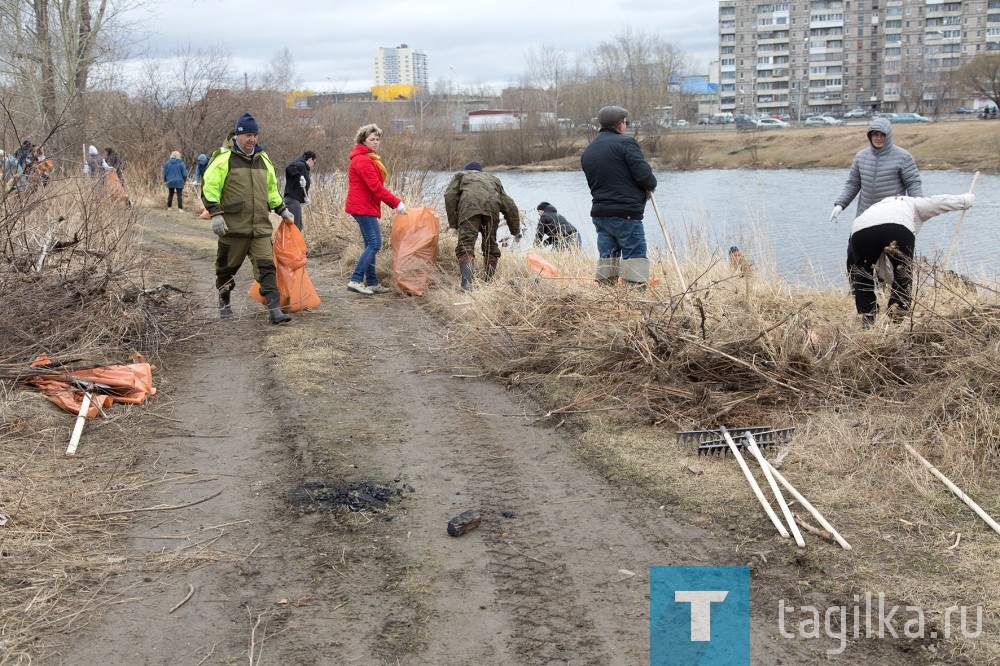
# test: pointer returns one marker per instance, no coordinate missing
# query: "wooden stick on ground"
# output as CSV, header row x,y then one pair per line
x,y
809,507
765,467
753,484
953,488
81,418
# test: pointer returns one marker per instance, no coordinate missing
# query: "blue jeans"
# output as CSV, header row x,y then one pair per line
x,y
364,272
618,237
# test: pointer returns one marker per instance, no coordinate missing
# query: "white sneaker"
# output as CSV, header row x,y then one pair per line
x,y
359,288
378,289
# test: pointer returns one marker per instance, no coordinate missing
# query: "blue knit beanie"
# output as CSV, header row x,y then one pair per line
x,y
247,125
473,166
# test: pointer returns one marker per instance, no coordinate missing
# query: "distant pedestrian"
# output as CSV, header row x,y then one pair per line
x,y
474,202
174,174
297,184
92,164
114,175
891,226
199,169
114,162
620,181
554,229
366,192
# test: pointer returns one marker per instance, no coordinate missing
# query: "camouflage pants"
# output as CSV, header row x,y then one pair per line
x,y
233,250
470,229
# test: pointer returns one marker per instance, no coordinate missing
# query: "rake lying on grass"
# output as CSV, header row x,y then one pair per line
x,y
709,441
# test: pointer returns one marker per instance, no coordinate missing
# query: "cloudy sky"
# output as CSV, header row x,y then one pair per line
x,y
468,43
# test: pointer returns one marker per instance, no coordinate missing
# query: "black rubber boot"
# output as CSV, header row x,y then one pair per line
x,y
274,312
466,270
225,310
491,268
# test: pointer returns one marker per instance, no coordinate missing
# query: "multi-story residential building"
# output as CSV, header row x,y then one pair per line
x,y
804,58
398,71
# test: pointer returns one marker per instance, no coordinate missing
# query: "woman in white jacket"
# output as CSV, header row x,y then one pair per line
x,y
895,220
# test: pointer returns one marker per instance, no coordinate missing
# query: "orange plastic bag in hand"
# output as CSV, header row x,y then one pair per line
x,y
414,240
113,186
296,289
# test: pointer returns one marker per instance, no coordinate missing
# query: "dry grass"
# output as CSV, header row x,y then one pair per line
x,y
630,368
89,302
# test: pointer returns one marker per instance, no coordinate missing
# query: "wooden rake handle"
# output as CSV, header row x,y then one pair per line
x,y
961,217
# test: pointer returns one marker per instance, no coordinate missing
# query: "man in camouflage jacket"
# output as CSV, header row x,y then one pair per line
x,y
474,202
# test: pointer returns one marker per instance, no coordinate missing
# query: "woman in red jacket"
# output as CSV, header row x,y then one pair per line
x,y
366,192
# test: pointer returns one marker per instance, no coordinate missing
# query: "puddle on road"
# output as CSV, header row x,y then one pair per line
x,y
323,496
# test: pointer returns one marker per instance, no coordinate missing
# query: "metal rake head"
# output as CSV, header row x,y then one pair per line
x,y
711,442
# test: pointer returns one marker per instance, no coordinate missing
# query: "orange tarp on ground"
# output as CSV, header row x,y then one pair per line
x,y
414,241
131,383
297,290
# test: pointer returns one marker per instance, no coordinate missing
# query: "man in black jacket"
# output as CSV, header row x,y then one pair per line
x,y
297,184
620,181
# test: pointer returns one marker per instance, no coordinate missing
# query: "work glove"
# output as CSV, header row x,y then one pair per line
x,y
836,213
219,227
970,199
302,182
286,216
306,202
401,209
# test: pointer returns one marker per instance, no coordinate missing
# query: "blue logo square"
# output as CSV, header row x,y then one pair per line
x,y
699,616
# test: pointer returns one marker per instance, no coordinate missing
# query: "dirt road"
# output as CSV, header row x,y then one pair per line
x,y
256,426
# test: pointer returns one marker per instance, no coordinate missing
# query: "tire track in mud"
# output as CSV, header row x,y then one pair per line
x,y
546,574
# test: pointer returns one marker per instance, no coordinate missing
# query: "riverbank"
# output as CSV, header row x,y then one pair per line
x,y
968,145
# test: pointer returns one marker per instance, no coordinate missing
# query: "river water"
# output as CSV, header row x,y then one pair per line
x,y
777,217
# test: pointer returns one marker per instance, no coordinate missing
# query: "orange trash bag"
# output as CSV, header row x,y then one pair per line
x,y
296,289
113,187
414,241
540,266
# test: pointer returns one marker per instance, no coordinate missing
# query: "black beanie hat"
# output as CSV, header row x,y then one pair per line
x,y
247,125
543,205
473,166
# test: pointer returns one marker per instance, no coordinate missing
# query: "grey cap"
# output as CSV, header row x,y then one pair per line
x,y
610,116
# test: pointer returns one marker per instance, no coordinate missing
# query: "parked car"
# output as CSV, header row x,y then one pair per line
x,y
764,123
856,113
823,121
681,123
963,110
909,118
704,120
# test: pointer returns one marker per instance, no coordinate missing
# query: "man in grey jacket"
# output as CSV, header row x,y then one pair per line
x,y
881,170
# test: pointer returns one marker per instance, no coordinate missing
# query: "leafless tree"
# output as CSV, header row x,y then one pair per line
x,y
638,71
982,77
51,51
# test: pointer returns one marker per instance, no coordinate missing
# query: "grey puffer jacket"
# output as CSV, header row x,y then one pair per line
x,y
877,173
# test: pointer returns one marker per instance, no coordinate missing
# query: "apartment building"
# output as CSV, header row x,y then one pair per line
x,y
398,72
805,58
